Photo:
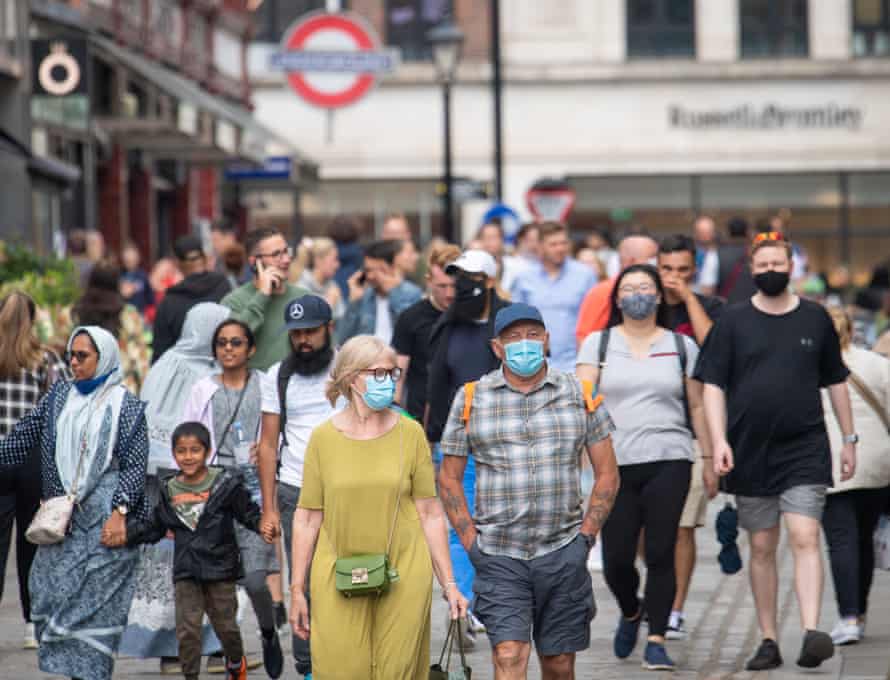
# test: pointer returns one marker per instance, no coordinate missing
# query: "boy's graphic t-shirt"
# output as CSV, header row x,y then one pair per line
x,y
189,500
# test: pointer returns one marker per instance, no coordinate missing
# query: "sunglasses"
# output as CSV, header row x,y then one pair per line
x,y
768,236
80,356
234,342
381,373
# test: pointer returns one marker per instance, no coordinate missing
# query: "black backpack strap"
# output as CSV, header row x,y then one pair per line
x,y
681,353
603,349
283,380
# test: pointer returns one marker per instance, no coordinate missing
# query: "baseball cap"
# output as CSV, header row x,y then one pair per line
x,y
186,245
474,262
518,311
308,311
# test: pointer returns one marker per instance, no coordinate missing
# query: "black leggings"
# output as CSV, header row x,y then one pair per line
x,y
19,503
651,497
849,522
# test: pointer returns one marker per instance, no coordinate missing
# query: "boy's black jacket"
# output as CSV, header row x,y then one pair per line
x,y
209,553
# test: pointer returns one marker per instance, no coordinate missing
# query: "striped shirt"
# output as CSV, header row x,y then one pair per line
x,y
527,450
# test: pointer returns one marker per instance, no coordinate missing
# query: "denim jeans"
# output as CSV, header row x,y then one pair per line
x,y
288,497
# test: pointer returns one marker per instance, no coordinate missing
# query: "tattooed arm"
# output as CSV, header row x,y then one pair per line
x,y
605,470
451,491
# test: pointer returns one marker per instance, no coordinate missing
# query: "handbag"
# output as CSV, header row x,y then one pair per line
x,y
869,398
370,574
53,519
436,670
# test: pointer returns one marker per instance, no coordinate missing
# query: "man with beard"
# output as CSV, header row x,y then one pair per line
x,y
293,394
460,352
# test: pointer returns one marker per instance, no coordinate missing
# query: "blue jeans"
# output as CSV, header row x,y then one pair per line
x,y
288,497
464,573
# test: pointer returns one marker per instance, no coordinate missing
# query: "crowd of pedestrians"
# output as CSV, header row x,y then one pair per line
x,y
364,418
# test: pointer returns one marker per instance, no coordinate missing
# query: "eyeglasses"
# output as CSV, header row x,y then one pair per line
x,y
644,288
80,356
381,373
278,254
234,342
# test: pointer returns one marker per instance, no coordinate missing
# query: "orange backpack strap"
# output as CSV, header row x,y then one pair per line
x,y
591,401
469,391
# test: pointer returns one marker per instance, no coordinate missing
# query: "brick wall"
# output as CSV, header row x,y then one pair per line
x,y
113,199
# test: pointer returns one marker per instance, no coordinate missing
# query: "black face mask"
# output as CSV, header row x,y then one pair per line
x,y
314,362
771,283
469,298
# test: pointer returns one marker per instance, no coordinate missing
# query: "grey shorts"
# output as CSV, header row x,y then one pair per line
x,y
549,597
757,513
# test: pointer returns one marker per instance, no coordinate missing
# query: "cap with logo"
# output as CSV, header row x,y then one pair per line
x,y
518,311
474,262
308,311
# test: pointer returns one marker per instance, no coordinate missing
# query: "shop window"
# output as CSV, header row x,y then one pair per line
x,y
660,28
773,28
8,28
273,17
871,28
407,23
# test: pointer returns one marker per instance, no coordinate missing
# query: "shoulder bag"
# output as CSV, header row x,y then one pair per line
x,y
869,398
371,574
53,519
437,672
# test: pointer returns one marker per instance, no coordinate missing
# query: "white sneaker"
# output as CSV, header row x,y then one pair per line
x,y
475,624
846,632
30,640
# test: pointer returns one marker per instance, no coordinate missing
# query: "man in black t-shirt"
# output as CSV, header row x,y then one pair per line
x,y
411,336
763,365
693,315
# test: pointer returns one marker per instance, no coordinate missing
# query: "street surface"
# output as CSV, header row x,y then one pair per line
x,y
720,617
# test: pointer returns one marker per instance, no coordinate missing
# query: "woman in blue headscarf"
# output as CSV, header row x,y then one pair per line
x,y
94,444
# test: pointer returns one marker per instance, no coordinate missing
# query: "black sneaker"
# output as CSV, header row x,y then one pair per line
x,y
767,657
817,647
273,658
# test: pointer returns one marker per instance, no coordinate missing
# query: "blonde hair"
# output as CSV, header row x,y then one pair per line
x,y
354,356
19,346
843,324
442,254
321,247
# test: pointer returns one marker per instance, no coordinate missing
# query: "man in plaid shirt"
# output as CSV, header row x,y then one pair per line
x,y
527,425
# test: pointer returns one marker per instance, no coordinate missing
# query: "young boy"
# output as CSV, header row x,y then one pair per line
x,y
199,506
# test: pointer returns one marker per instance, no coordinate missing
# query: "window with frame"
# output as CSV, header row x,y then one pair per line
x,y
660,28
273,17
409,21
774,28
871,28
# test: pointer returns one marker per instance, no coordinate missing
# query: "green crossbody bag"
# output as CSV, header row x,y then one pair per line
x,y
371,574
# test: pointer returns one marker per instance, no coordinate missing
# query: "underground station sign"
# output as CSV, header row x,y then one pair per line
x,y
332,60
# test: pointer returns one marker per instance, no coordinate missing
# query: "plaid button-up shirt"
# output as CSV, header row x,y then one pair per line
x,y
527,450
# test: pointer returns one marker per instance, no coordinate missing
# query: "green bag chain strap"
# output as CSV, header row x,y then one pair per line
x,y
371,574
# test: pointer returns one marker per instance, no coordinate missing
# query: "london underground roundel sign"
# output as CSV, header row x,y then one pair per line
x,y
332,60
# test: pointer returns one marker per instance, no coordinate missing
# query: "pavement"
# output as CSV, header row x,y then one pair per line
x,y
720,617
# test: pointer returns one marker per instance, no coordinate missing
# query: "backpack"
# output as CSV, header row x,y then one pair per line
x,y
681,353
591,403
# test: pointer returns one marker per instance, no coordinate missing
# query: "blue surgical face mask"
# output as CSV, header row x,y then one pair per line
x,y
639,305
524,357
379,395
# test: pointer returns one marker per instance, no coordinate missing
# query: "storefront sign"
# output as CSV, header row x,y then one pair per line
x,y
829,116
60,83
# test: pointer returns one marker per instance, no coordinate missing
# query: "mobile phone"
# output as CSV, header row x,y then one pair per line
x,y
363,279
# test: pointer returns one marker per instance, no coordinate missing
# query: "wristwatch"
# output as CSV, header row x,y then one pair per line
x,y
122,510
851,438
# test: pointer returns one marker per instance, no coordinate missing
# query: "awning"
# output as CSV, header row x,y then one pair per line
x,y
50,169
256,142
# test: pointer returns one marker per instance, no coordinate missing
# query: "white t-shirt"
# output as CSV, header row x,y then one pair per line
x,y
306,406
383,323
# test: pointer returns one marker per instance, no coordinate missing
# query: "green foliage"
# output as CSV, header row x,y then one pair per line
x,y
49,280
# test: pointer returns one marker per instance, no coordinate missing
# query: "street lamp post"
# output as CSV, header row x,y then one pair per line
x,y
446,41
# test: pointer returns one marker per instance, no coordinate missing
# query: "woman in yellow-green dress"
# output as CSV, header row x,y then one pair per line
x,y
368,474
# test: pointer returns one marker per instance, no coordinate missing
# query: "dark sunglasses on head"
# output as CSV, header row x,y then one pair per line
x,y
80,356
234,342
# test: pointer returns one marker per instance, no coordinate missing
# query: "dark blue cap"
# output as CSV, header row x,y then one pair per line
x,y
309,311
518,311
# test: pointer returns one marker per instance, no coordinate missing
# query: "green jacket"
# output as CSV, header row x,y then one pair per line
x,y
265,316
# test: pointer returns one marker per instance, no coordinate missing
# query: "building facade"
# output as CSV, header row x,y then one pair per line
x,y
653,110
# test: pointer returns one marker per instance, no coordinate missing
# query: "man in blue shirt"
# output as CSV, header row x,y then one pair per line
x,y
556,286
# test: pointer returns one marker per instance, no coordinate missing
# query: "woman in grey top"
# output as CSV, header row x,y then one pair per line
x,y
643,370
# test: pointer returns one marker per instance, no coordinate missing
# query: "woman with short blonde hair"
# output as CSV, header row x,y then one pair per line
x,y
321,262
362,468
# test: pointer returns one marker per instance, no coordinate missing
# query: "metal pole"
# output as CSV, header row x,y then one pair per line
x,y
496,91
447,204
